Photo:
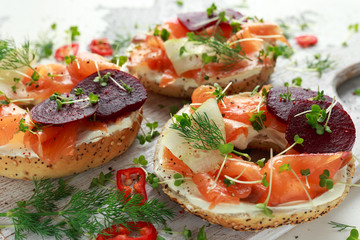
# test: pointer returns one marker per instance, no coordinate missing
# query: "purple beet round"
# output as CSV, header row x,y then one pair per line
x,y
342,137
280,108
114,100
47,112
195,21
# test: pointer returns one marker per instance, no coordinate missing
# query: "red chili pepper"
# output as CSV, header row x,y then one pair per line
x,y
101,47
124,184
119,232
65,50
306,40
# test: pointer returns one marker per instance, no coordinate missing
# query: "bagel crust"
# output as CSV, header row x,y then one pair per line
x,y
244,80
87,155
246,221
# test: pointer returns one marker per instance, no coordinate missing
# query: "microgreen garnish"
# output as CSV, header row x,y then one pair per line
x,y
69,59
340,226
23,127
357,92
280,50
141,160
267,211
73,32
210,10
14,87
179,179
44,47
164,34
305,173
201,234
319,96
297,140
147,137
182,50
102,79
353,28
102,180
264,181
287,167
297,81
228,182
257,120
219,93
235,27
119,60
6,101
255,90
179,3
287,96
325,181
320,65
315,117
90,211
227,53
187,233
61,100
153,180
78,91
261,162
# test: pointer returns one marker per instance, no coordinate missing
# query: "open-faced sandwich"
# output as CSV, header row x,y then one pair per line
x,y
202,158
58,120
206,47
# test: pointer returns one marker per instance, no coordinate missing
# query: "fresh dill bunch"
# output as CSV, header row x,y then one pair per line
x,y
16,57
225,53
199,130
87,212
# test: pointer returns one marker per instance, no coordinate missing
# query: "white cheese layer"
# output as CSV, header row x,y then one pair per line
x,y
16,148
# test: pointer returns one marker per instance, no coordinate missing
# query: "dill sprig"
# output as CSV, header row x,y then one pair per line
x,y
13,57
199,130
340,226
225,53
87,211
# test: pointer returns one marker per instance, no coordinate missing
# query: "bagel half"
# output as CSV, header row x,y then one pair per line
x,y
242,80
88,154
246,217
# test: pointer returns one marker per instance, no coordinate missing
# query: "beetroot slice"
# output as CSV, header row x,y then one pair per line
x,y
113,100
342,137
194,21
281,108
47,112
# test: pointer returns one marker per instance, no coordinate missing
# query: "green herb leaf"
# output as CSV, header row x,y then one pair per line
x,y
182,50
297,81
280,50
228,182
78,91
102,180
319,64
261,162
73,32
180,3
164,34
187,233
325,181
305,172
141,160
153,180
354,235
357,92
210,10
341,226
119,60
267,211
201,234
226,148
257,120
173,109
264,181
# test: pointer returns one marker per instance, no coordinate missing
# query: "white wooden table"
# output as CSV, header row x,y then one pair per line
x,y
26,19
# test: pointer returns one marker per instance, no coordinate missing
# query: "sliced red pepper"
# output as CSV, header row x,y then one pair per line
x,y
101,47
119,232
124,184
306,40
65,50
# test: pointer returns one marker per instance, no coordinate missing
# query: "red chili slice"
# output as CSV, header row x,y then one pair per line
x,y
119,232
101,47
138,187
65,50
305,41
